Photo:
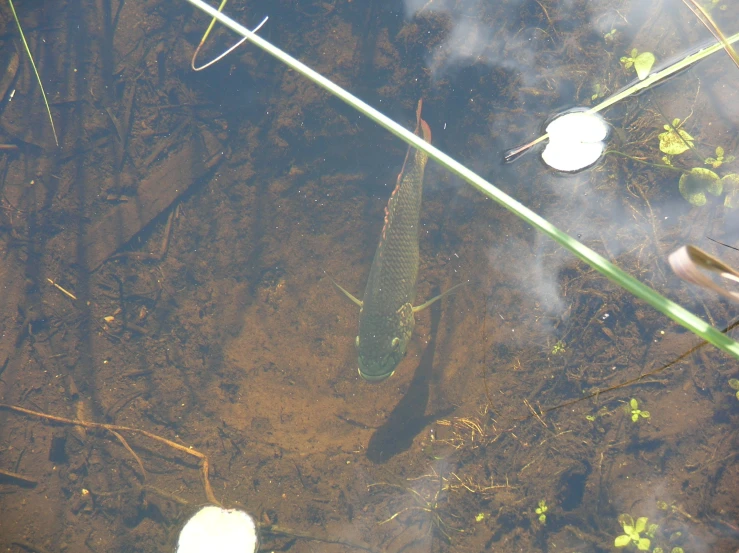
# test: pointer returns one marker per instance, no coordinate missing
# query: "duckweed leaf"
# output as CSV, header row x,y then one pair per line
x,y
674,141
622,541
695,183
643,64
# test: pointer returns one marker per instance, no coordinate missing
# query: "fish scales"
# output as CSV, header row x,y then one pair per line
x,y
386,319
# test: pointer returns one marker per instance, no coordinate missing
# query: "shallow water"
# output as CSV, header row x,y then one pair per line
x,y
195,218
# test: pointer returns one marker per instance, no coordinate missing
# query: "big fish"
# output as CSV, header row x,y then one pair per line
x,y
386,313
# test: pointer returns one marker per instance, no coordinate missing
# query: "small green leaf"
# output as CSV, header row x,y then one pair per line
x,y
695,183
643,544
641,524
675,141
634,404
644,414
719,152
634,417
622,541
643,64
734,383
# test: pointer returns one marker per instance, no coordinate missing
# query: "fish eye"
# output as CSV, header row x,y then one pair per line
x,y
395,342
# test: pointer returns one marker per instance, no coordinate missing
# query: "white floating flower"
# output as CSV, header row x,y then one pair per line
x,y
576,141
222,530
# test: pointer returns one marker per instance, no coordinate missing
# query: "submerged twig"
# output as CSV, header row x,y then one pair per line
x,y
115,429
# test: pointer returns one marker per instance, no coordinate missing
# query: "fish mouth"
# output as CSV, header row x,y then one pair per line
x,y
375,377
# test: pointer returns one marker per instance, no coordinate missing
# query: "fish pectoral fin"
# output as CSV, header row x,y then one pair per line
x,y
347,294
430,302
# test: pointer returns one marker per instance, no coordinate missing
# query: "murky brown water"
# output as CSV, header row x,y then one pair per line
x,y
195,218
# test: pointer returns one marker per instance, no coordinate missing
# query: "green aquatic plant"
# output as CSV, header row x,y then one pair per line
x,y
720,159
598,262
541,510
611,36
632,533
635,412
694,185
558,348
696,182
734,385
598,91
642,63
674,140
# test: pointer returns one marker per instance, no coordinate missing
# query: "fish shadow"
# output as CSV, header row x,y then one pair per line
x,y
407,420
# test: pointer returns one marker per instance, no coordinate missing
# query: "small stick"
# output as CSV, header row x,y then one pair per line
x,y
526,402
204,464
18,477
62,290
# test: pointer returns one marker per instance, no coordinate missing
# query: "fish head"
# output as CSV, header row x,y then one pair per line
x,y
382,344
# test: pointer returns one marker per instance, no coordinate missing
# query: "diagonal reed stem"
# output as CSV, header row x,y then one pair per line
x,y
35,71
672,310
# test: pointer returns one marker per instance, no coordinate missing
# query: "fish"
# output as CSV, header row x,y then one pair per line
x,y
386,312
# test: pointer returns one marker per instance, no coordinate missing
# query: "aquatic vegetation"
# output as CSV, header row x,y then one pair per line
x,y
734,385
632,532
674,140
558,348
611,36
696,182
427,502
541,510
642,63
633,409
694,185
720,159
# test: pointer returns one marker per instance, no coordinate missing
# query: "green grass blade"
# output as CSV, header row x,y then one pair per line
x,y
33,64
672,310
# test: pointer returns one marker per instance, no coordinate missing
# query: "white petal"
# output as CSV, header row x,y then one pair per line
x,y
222,530
579,126
571,156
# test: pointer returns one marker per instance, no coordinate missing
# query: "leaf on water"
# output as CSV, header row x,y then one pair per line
x,y
643,64
695,183
575,141
673,141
